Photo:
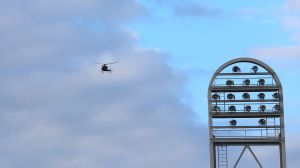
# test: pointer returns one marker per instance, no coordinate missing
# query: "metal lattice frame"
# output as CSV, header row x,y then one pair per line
x,y
220,143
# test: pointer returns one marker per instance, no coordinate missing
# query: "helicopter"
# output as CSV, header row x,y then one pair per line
x,y
104,67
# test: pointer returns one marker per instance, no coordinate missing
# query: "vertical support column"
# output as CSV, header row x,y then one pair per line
x,y
212,155
282,133
282,155
212,149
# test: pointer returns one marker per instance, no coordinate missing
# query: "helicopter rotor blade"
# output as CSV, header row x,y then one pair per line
x,y
112,63
96,62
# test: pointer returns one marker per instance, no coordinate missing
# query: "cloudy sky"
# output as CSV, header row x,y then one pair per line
x,y
57,110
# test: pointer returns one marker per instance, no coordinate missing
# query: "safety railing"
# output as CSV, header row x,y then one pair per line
x,y
247,133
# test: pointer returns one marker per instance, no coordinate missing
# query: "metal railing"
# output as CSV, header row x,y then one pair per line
x,y
247,133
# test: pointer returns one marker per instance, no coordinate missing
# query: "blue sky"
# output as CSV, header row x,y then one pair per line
x,y
198,43
58,110
225,33
212,32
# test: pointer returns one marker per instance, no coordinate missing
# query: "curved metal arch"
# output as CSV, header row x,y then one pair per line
x,y
250,60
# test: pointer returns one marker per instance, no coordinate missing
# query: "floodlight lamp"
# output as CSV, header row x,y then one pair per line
x,y
229,82
236,69
276,95
261,96
246,96
262,122
262,108
261,82
230,96
254,68
246,82
231,109
276,108
216,109
233,122
247,108
215,96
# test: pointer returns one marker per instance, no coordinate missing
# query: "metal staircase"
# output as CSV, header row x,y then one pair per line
x,y
222,157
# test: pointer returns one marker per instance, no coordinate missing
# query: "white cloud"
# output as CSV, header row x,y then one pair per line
x,y
87,119
195,10
58,110
290,22
282,53
112,11
293,5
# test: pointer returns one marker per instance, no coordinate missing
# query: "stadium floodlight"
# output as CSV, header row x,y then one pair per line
x,y
233,122
247,108
261,82
215,96
246,96
216,109
262,122
276,108
261,96
236,69
254,68
230,96
231,109
276,95
246,82
247,111
262,108
229,82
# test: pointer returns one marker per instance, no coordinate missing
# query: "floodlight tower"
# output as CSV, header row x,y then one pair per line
x,y
245,108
